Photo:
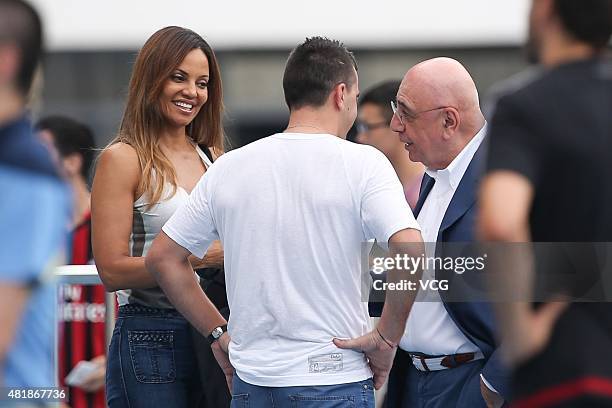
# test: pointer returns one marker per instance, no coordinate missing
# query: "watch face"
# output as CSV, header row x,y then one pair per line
x,y
217,332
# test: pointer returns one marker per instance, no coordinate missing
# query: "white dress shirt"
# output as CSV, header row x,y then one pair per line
x,y
430,329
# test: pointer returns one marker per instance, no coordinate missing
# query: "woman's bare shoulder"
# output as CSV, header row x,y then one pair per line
x,y
121,160
120,154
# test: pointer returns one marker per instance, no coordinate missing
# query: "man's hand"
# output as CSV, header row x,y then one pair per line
x,y
220,349
379,354
531,331
492,399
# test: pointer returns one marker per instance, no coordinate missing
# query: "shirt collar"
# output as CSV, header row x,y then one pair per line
x,y
452,175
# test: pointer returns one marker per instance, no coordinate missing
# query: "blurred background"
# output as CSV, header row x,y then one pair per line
x,y
91,47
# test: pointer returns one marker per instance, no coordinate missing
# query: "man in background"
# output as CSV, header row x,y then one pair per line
x,y
373,128
34,212
82,313
549,173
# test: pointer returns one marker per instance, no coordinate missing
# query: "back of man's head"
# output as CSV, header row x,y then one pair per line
x,y
313,69
381,95
70,137
588,21
20,27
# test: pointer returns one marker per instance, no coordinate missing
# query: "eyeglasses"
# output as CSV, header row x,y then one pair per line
x,y
363,127
403,117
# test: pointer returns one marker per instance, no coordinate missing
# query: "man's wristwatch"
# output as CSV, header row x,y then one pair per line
x,y
216,333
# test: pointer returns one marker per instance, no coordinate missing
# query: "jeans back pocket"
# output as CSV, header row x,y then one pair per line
x,y
152,354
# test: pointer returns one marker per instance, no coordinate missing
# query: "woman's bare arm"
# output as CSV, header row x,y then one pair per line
x,y
112,200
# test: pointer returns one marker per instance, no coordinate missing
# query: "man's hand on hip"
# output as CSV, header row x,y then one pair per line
x,y
380,354
220,349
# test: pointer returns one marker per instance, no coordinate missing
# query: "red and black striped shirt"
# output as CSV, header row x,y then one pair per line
x,y
82,321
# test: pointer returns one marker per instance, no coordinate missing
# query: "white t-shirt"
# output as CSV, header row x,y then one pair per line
x,y
292,211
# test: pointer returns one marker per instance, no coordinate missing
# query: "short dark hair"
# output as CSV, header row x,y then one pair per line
x,y
70,137
381,95
20,25
589,21
313,69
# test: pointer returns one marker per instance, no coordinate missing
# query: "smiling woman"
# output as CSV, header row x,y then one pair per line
x,y
172,116
187,89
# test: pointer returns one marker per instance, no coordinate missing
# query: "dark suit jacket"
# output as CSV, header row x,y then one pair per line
x,y
474,318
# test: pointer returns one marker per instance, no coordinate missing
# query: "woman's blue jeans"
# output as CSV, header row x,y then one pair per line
x,y
151,360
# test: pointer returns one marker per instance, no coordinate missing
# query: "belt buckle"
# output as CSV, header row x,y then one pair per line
x,y
455,360
449,361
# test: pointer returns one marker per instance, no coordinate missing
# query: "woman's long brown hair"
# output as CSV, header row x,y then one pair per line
x,y
143,119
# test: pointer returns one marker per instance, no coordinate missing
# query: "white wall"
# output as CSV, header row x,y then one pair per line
x,y
244,24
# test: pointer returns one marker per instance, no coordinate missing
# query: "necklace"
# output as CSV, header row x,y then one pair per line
x,y
305,126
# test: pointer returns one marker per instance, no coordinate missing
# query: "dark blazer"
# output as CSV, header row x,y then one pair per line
x,y
474,318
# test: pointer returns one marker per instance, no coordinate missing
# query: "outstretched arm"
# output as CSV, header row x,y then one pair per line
x,y
168,262
505,202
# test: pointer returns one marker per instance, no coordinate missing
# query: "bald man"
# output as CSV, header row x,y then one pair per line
x,y
447,354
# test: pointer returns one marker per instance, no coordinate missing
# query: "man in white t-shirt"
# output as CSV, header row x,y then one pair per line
x,y
292,211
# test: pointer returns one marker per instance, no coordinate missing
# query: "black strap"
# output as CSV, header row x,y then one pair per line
x,y
207,152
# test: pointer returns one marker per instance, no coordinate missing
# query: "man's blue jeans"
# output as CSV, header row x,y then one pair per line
x,y
352,395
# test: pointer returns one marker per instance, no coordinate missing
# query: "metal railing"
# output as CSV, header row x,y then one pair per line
x,y
88,275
